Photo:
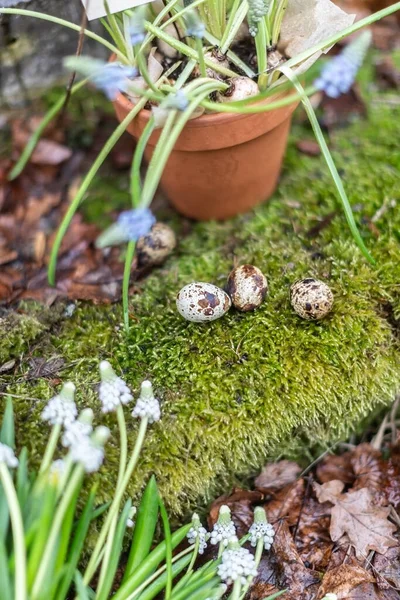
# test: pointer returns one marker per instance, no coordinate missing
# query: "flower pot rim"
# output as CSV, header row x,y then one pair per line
x,y
204,120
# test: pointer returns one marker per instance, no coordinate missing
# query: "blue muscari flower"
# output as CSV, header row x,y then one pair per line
x,y
129,227
137,31
136,223
339,74
194,25
178,101
113,78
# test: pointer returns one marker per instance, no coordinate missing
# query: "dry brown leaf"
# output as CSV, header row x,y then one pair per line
x,y
277,475
354,514
286,503
343,580
293,574
308,22
336,467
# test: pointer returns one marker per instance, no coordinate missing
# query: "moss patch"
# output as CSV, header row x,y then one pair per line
x,y
252,386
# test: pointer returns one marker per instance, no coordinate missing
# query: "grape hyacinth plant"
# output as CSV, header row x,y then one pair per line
x,y
181,58
46,517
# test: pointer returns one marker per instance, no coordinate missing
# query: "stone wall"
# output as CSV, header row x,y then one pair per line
x,y
31,50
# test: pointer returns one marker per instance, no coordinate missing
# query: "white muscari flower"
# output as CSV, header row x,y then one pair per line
x,y
57,470
61,410
236,563
113,390
224,529
130,522
261,529
89,451
57,467
81,428
7,456
147,406
330,596
198,532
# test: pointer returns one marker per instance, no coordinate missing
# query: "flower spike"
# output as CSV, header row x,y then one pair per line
x,y
339,74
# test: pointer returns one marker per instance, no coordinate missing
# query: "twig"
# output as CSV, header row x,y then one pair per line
x,y
78,52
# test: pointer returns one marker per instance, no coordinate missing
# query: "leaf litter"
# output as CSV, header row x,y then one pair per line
x,y
337,524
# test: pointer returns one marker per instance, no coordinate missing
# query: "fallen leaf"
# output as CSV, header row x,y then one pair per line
x,y
308,22
308,147
356,515
286,503
293,574
368,468
343,580
276,475
340,112
336,467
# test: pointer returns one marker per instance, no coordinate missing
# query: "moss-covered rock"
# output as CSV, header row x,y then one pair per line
x,y
253,385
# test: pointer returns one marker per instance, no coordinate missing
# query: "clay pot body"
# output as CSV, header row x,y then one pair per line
x,y
222,164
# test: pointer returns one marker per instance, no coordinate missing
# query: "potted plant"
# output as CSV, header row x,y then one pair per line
x,y
207,88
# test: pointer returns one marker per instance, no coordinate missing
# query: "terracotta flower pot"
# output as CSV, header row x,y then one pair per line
x,y
222,164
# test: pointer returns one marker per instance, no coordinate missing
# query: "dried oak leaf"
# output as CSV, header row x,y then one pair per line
x,y
356,515
343,580
312,534
368,468
292,573
336,467
277,475
286,503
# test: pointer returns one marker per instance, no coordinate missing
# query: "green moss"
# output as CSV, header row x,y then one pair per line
x,y
252,386
17,333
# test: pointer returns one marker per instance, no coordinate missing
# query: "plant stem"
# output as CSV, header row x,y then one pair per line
x,y
50,448
202,64
73,484
33,140
330,163
57,21
186,50
168,139
236,18
18,532
85,184
237,586
119,492
130,253
157,573
261,49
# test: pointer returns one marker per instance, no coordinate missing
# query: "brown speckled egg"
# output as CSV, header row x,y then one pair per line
x,y
247,287
311,299
201,302
155,247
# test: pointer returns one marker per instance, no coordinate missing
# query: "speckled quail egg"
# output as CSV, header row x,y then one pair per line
x,y
156,246
201,302
247,287
311,299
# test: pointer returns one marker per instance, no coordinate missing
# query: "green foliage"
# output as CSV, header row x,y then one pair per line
x,y
44,533
254,386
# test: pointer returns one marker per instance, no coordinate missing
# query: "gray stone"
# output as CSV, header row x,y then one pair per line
x,y
32,50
